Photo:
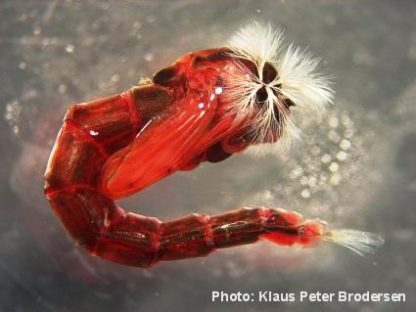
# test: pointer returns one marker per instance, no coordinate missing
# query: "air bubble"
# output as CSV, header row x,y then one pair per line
x,y
62,88
149,57
69,48
349,133
342,156
137,25
305,193
22,65
345,144
267,195
296,172
312,181
323,177
333,122
316,150
151,19
304,180
333,167
37,30
334,136
335,179
346,121
326,158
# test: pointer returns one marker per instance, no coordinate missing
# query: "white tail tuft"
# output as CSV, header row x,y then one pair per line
x,y
362,243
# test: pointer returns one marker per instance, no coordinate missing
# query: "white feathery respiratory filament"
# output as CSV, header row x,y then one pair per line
x,y
282,76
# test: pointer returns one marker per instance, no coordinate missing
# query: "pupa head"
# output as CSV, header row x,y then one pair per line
x,y
271,81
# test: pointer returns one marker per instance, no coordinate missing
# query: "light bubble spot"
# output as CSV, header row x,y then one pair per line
x,y
334,136
268,195
333,122
333,167
37,30
137,25
345,144
312,181
304,180
316,150
349,133
305,193
326,158
148,57
151,19
13,112
346,121
342,156
296,172
62,88
322,178
69,48
335,179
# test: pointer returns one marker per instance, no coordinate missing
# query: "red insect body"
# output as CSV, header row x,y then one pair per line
x,y
115,146
207,106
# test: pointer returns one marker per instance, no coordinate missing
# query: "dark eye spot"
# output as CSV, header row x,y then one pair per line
x,y
289,103
164,76
261,95
269,73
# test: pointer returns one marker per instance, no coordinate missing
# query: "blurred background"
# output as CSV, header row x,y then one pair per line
x,y
354,167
